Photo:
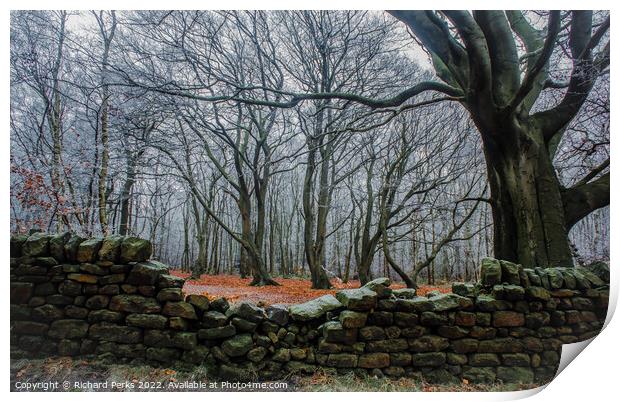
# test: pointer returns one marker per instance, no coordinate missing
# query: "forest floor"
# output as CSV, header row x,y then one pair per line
x,y
76,375
293,290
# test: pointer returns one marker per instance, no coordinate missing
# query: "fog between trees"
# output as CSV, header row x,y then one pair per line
x,y
340,143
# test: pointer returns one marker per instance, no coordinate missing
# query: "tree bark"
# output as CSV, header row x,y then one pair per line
x,y
527,209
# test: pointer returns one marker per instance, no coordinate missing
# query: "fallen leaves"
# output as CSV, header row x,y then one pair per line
x,y
292,290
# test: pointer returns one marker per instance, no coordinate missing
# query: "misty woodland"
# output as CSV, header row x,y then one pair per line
x,y
407,195
319,144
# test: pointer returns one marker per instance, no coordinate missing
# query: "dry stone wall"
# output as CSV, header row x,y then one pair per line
x,y
104,298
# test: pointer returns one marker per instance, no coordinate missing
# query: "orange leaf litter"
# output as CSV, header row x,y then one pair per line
x,y
292,291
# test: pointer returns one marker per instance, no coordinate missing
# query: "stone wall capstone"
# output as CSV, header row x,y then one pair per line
x,y
104,298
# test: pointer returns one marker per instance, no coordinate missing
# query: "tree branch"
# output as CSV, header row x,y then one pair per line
x,y
297,98
593,173
541,61
581,200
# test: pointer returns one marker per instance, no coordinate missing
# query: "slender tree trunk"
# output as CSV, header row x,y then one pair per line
x,y
313,247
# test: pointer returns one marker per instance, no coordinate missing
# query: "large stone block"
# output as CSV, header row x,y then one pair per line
x,y
374,360
217,333
430,359
490,303
508,319
334,332
29,327
112,279
519,375
387,345
382,318
555,278
97,302
281,355
200,302
111,248
372,333
239,345
415,305
479,374
71,248
244,325
180,309
509,292
405,320
600,269
105,315
381,286
490,272
68,329
361,299
17,243
352,319
500,345
400,359
37,245
516,359
428,343
21,292
152,321
315,308
466,345
83,278
47,313
404,293
57,245
450,301
88,250
465,289
134,350
147,273
164,355
45,289
465,319
213,319
431,319
170,281
510,272
170,339
483,360
171,294
537,293
196,355
134,304
134,249
247,311
342,360
452,331
277,313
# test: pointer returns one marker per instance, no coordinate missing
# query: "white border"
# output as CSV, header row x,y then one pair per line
x,y
591,376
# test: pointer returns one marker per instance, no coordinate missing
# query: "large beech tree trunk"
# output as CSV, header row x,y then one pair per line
x,y
526,201
532,212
